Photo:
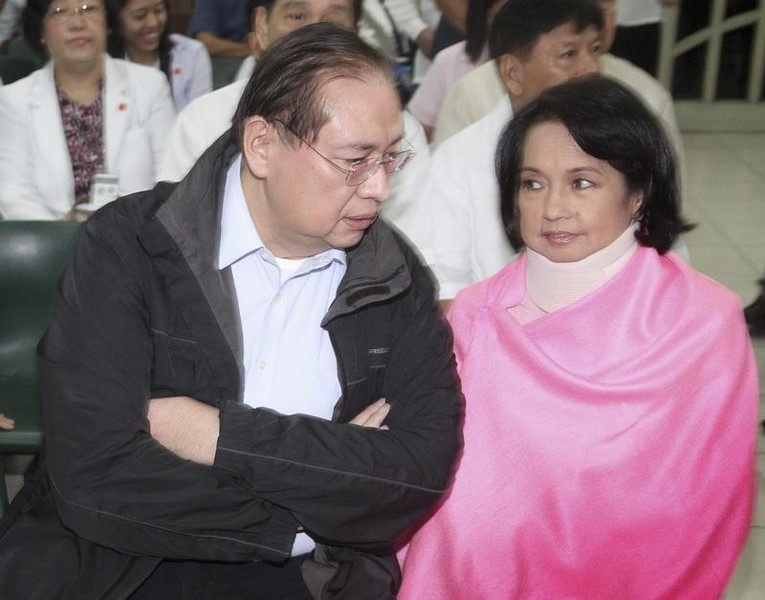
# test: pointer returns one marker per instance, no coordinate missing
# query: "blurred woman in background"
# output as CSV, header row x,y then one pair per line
x,y
142,35
84,128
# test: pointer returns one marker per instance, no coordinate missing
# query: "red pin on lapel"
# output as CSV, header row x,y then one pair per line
x,y
122,107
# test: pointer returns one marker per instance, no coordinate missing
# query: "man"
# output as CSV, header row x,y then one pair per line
x,y
209,117
244,302
535,44
221,25
638,35
475,94
205,119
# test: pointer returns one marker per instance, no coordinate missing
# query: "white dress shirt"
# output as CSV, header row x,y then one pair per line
x,y
467,242
289,362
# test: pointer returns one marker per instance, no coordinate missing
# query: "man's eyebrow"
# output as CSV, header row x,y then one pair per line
x,y
366,146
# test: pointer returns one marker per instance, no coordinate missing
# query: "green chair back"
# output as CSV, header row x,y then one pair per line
x,y
13,68
33,255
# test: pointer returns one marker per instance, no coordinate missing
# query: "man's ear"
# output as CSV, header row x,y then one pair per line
x,y
253,44
261,29
256,144
512,73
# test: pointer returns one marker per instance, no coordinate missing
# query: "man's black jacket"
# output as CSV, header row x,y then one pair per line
x,y
144,312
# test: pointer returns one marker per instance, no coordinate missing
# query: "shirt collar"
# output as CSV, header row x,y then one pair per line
x,y
238,236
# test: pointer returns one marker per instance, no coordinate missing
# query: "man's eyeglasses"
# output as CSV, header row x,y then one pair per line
x,y
62,14
361,170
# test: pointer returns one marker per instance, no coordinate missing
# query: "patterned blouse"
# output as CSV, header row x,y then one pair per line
x,y
83,129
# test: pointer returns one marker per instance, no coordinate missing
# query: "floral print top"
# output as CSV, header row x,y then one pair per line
x,y
83,129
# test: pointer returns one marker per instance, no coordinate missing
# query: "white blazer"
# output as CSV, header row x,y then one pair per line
x,y
36,180
191,70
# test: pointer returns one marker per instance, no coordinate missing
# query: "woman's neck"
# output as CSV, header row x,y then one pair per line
x,y
80,84
141,57
552,286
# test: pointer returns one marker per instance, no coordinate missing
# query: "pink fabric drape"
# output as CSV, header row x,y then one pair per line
x,y
609,447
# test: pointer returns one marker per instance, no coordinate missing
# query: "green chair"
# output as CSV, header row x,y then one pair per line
x,y
13,68
33,254
224,70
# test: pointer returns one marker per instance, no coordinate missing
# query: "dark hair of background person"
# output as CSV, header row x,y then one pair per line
x,y
268,4
477,27
519,24
288,79
32,19
610,123
116,45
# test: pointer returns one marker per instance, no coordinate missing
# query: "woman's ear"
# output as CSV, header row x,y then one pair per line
x,y
635,203
256,144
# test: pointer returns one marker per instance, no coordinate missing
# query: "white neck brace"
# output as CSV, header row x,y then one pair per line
x,y
554,285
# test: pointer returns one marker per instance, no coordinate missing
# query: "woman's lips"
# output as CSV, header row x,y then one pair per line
x,y
150,38
559,238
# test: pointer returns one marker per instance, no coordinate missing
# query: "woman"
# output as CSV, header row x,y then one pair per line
x,y
83,127
611,391
142,36
452,63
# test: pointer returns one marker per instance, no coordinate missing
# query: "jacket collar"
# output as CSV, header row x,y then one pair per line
x,y
190,219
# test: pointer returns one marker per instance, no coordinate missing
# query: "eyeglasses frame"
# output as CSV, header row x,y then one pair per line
x,y
379,162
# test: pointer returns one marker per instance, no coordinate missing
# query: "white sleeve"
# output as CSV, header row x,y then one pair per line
x,y
161,119
185,144
10,19
405,206
406,16
448,200
19,195
201,82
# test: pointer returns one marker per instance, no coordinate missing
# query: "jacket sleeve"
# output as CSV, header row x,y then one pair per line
x,y
112,483
350,485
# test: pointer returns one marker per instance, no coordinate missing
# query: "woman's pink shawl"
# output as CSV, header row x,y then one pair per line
x,y
609,447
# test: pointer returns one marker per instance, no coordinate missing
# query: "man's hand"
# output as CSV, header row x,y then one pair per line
x,y
185,426
373,415
6,423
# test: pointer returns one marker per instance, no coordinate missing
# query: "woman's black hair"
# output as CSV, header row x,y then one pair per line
x,y
610,123
116,45
477,27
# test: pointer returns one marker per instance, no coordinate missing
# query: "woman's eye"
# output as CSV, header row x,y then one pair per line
x,y
295,16
530,184
582,184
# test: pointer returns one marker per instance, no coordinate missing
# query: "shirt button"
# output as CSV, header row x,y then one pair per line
x,y
262,364
278,296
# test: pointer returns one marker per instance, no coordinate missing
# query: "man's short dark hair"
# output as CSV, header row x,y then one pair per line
x,y
520,23
610,123
289,78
